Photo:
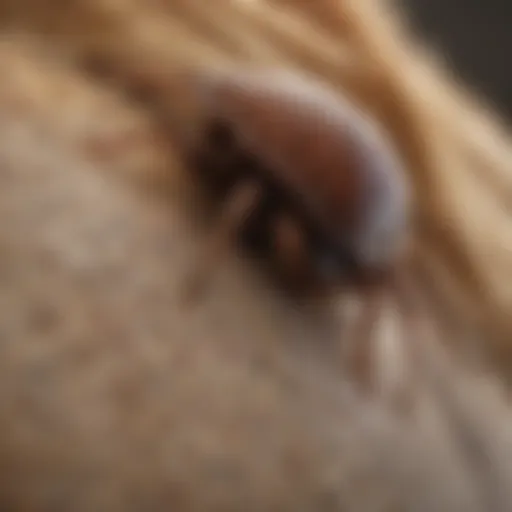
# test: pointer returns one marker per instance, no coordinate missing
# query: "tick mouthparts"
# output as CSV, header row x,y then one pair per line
x,y
328,267
334,265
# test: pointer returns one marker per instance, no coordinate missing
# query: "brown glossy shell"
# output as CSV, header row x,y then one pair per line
x,y
320,147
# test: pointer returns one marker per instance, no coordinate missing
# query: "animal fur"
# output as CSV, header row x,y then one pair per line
x,y
115,398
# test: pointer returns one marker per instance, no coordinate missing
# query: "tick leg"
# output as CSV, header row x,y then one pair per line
x,y
291,248
361,356
418,333
366,367
237,209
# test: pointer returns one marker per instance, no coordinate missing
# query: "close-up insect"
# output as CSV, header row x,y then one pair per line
x,y
256,255
304,176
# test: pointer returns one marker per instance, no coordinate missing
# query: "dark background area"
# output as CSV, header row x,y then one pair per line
x,y
476,38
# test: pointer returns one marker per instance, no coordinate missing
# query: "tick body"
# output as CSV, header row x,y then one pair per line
x,y
331,191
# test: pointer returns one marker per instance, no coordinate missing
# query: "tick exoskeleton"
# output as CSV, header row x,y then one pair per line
x,y
303,174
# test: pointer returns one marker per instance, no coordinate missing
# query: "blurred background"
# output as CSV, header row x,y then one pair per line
x,y
476,37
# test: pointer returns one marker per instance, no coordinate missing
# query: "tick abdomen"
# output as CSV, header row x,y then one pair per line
x,y
323,150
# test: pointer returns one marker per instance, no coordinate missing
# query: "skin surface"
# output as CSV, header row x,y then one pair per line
x,y
114,397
